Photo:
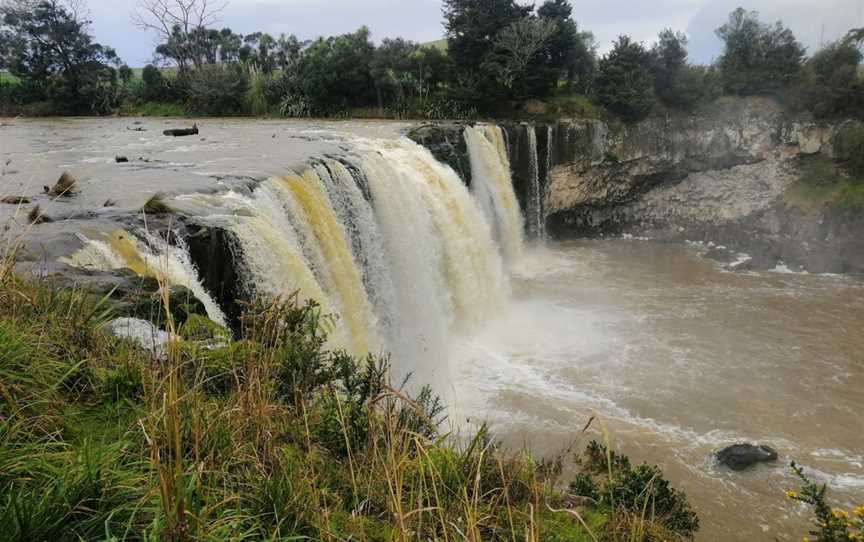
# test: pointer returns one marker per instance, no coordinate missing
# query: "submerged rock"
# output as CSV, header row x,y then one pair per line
x,y
741,456
15,200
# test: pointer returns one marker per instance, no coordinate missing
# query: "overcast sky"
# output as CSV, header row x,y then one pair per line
x,y
814,21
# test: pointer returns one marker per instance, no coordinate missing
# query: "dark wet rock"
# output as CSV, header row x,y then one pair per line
x,y
36,216
446,142
121,159
65,186
15,200
216,254
141,297
741,456
180,132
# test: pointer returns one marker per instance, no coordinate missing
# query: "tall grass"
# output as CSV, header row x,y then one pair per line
x,y
267,436
256,94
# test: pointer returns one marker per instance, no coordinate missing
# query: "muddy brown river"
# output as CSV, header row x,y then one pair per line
x,y
678,358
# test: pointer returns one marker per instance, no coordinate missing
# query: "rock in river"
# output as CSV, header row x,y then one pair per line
x,y
741,456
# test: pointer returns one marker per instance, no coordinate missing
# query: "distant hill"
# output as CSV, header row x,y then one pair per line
x,y
437,44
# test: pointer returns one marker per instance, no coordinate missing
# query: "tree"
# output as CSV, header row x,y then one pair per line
x,y
571,52
854,36
392,68
624,83
125,73
217,89
179,26
472,26
260,50
515,49
830,85
336,72
669,61
676,83
758,58
46,44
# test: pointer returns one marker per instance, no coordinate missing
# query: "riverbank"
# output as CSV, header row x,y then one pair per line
x,y
269,435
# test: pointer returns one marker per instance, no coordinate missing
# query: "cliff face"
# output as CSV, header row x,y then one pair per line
x,y
627,161
720,176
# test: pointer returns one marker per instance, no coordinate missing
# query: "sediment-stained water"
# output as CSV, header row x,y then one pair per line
x,y
679,358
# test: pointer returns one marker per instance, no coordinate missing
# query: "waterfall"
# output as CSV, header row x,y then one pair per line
x,y
534,209
354,211
547,181
153,258
493,186
386,239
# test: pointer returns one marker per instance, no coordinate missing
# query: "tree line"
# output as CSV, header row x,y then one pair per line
x,y
497,53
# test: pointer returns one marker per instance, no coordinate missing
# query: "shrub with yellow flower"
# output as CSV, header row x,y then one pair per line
x,y
833,524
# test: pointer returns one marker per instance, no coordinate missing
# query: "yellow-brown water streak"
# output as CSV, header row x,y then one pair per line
x,y
342,269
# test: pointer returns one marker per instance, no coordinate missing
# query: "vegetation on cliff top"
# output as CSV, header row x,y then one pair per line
x,y
834,181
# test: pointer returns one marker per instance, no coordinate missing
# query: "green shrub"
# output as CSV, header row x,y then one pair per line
x,y
217,89
830,85
832,524
642,492
257,94
848,146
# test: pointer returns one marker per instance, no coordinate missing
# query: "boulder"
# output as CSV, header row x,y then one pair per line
x,y
15,200
743,455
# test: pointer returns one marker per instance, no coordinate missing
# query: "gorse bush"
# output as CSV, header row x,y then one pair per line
x,y
831,524
641,493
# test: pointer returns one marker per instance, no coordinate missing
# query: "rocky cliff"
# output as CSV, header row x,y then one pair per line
x,y
719,176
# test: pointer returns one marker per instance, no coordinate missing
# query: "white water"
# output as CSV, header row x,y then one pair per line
x,y
534,210
492,185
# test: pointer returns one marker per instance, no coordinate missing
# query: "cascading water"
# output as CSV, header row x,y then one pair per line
x,y
355,213
534,211
152,258
541,194
387,239
493,186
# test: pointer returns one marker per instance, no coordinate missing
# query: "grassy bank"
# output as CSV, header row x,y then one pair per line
x,y
822,182
268,436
